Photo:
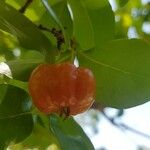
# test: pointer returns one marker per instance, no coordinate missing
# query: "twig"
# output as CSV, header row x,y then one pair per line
x,y
98,106
57,34
25,6
41,27
123,126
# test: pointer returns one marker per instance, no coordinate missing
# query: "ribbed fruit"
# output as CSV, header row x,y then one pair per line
x,y
62,88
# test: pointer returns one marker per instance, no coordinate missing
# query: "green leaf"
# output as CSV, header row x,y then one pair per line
x,y
122,72
4,79
52,13
22,68
32,12
102,19
27,33
3,90
40,138
34,55
69,134
122,2
7,44
63,14
83,30
15,121
56,19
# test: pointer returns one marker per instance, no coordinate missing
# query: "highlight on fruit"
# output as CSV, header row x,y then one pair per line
x,y
62,88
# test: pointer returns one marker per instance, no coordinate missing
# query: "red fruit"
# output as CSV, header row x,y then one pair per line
x,y
62,88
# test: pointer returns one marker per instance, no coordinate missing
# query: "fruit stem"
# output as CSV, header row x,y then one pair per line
x,y
65,112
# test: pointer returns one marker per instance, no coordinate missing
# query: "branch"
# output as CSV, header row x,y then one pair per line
x,y
56,33
41,27
123,126
25,6
97,106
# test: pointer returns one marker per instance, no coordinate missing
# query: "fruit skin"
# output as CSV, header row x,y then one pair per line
x,y
62,88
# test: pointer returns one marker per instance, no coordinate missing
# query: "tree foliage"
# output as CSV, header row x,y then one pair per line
x,y
49,31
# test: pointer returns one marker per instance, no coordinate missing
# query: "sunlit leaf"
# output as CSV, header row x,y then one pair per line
x,y
122,2
122,72
21,69
83,29
27,33
56,19
7,80
69,134
63,15
40,138
102,19
15,121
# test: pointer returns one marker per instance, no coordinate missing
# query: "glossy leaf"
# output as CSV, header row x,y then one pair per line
x,y
51,12
40,138
27,33
15,121
34,55
32,11
56,19
63,13
3,90
102,19
7,80
122,72
69,134
22,68
122,2
83,30
7,44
